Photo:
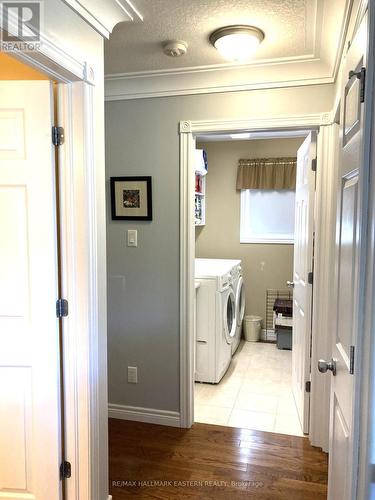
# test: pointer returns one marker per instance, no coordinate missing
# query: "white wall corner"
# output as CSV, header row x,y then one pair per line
x,y
146,415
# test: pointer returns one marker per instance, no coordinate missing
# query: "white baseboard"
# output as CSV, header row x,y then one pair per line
x,y
147,415
268,335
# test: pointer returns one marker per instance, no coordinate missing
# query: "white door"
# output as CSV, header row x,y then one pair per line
x,y
342,449
29,336
303,265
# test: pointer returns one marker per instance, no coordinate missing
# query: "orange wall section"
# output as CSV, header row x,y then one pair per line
x,y
12,69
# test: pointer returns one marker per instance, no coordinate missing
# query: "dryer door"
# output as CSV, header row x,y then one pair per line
x,y
229,309
240,301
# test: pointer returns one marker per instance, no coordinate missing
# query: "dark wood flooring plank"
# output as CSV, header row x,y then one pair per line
x,y
212,462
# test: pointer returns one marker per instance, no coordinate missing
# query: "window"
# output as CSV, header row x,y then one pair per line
x,y
267,216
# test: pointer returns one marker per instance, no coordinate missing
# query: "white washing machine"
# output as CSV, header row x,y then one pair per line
x,y
215,319
239,292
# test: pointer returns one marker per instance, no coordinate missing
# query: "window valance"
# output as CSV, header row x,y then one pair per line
x,y
267,173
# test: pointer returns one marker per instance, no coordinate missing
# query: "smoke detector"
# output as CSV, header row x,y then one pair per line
x,y
175,48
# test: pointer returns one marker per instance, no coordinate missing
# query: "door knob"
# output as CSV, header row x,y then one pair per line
x,y
290,284
324,366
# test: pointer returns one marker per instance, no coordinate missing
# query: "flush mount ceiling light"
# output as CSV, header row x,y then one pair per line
x,y
237,43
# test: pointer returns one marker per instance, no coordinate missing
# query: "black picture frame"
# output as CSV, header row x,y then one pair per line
x,y
142,202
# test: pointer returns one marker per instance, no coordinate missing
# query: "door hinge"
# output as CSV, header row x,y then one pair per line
x,y
361,75
65,470
58,136
310,278
62,308
308,386
314,164
351,359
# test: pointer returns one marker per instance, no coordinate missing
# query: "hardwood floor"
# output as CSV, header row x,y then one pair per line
x,y
212,462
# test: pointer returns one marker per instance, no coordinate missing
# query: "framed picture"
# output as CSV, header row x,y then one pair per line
x,y
131,198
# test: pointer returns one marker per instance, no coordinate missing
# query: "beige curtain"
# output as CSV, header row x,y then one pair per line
x,y
267,173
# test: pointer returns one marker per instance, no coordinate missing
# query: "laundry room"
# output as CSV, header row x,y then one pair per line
x,y
245,196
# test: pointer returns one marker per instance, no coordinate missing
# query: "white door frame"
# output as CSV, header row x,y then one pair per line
x,y
188,131
78,193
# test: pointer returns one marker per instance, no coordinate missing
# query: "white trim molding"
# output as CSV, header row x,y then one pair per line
x,y
277,122
187,287
79,287
146,415
142,85
189,130
52,60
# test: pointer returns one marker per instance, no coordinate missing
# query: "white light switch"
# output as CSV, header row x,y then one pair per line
x,y
132,374
132,238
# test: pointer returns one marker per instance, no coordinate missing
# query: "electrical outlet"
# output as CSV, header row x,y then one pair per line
x,y
132,375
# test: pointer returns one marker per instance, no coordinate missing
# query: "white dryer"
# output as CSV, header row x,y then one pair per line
x,y
215,319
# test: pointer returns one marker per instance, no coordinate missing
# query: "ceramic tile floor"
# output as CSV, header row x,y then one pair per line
x,y
255,393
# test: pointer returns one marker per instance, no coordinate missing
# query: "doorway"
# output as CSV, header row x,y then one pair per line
x,y
252,231
31,360
189,133
32,409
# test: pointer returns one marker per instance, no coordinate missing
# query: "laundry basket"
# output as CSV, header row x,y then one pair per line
x,y
252,328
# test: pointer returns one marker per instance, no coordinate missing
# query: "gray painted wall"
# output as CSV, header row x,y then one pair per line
x,y
143,283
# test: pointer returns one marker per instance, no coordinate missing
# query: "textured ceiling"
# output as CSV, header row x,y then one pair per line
x,y
289,25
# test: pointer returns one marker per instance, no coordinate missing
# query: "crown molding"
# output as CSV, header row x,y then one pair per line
x,y
211,67
103,15
200,81
142,94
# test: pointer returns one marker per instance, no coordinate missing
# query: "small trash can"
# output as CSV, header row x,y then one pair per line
x,y
252,328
